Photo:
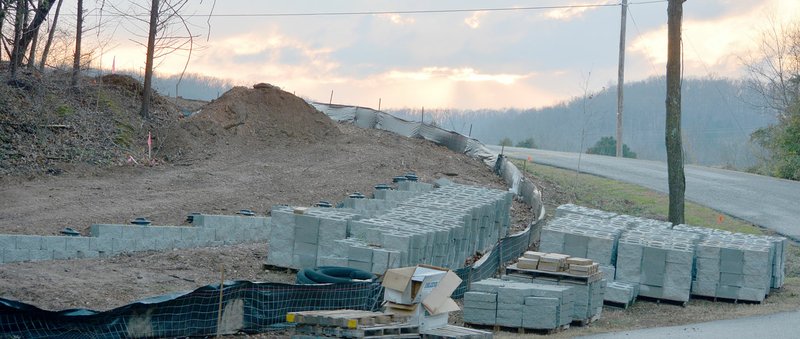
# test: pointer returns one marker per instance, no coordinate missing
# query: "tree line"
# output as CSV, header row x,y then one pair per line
x,y
158,25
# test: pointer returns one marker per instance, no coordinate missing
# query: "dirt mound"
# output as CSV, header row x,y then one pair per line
x,y
47,126
251,117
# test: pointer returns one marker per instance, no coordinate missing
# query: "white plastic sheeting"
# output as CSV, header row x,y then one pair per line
x,y
369,118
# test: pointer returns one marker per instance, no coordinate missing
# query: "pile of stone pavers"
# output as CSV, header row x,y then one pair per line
x,y
666,262
518,305
440,226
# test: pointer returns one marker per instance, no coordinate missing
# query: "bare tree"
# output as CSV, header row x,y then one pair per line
x,y
167,32
3,10
50,34
76,60
19,25
26,33
676,177
148,70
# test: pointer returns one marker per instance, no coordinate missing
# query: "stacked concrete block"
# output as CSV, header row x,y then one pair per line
x,y
369,207
518,304
660,261
732,270
585,211
609,272
299,240
480,308
621,293
393,195
414,186
777,247
581,236
632,222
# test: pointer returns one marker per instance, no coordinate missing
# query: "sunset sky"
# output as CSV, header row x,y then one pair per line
x,y
521,54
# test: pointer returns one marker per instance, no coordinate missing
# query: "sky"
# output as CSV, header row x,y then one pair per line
x,y
521,54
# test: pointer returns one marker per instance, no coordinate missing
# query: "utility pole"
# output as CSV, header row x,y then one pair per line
x,y
621,75
675,172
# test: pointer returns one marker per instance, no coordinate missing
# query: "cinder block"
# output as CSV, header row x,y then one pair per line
x,y
15,255
29,242
122,246
134,231
64,255
54,243
145,244
100,244
88,254
78,244
41,255
8,241
106,230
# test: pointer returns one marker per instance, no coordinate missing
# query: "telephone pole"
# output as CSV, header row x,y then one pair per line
x,y
621,75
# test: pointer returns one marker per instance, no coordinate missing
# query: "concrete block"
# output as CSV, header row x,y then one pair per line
x,y
87,254
123,245
134,231
364,266
28,242
303,261
78,244
15,255
41,255
64,255
54,243
331,261
8,241
106,230
100,244
167,244
145,245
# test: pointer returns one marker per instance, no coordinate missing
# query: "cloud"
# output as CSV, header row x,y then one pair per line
x,y
569,13
398,19
474,20
715,45
465,74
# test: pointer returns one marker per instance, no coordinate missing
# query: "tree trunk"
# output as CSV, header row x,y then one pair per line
x,y
677,180
50,37
34,40
76,60
148,68
19,25
30,30
2,19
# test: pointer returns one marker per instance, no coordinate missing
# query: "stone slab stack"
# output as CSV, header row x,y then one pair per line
x,y
518,304
777,247
660,261
621,293
581,236
731,270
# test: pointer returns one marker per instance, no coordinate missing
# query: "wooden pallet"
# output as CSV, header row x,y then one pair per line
x,y
344,318
351,324
727,300
586,322
455,332
518,330
555,276
623,306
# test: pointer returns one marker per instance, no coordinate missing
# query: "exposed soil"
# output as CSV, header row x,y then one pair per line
x,y
280,151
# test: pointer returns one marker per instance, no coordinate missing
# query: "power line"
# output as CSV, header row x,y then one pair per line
x,y
421,11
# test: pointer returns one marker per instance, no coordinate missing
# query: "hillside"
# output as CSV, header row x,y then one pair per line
x,y
718,118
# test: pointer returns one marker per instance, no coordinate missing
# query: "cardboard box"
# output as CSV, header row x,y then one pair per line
x,y
418,315
411,285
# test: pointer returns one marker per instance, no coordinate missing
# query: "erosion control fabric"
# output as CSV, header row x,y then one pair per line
x,y
246,307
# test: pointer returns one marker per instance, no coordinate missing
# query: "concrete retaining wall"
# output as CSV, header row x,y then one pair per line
x,y
107,240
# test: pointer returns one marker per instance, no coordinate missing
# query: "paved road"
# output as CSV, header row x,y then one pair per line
x,y
764,201
779,325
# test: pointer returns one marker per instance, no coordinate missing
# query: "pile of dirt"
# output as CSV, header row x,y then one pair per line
x,y
262,116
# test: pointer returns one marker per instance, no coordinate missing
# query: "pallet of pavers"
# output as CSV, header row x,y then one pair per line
x,y
583,275
350,324
455,332
518,306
